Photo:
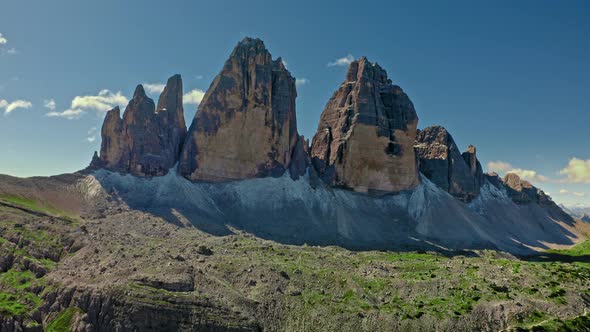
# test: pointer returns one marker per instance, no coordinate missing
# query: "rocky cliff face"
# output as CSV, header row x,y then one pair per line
x,y
245,126
147,141
440,161
366,133
524,193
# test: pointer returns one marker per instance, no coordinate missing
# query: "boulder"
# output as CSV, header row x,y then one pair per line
x,y
365,137
245,126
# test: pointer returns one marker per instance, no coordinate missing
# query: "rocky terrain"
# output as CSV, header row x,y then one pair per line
x,y
131,270
240,224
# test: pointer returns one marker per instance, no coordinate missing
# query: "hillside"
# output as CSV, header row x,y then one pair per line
x,y
134,270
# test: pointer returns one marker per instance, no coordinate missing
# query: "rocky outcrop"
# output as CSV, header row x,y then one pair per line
x,y
245,126
441,162
365,137
524,193
470,157
147,141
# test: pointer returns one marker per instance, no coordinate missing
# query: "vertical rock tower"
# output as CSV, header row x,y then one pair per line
x,y
245,126
147,141
441,162
365,138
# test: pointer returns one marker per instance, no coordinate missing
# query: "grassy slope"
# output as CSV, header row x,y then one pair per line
x,y
32,252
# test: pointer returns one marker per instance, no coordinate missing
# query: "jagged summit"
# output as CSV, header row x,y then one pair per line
x,y
365,137
139,92
441,161
246,125
144,142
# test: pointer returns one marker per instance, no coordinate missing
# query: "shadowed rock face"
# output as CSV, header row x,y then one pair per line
x,y
147,141
524,193
441,162
366,134
245,126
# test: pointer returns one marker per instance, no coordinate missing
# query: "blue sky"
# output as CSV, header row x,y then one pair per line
x,y
511,77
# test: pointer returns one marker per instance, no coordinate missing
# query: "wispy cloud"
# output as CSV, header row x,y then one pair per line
x,y
91,137
503,167
50,104
577,171
69,114
199,77
499,166
301,81
9,107
104,101
344,61
572,193
4,41
154,88
193,97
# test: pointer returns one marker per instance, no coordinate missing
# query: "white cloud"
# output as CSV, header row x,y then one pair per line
x,y
104,101
574,193
193,97
499,166
49,104
577,171
301,81
155,88
11,51
199,77
91,135
69,114
10,107
3,39
530,175
502,167
344,61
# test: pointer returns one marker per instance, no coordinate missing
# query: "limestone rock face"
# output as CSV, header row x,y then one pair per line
x,y
470,157
441,162
147,141
245,126
365,137
524,193
521,191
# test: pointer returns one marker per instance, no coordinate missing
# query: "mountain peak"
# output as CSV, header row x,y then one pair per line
x,y
139,92
366,133
246,122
